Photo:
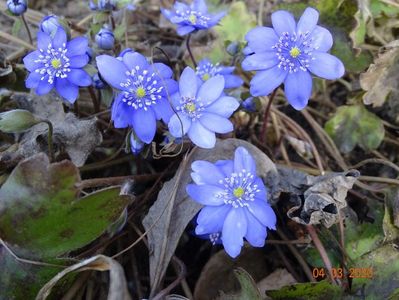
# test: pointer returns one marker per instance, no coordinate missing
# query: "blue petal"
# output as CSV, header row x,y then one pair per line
x,y
199,6
180,6
29,61
216,123
144,124
326,66
211,90
211,219
33,80
216,18
260,61
226,166
243,161
43,41
322,39
44,86
256,233
205,194
183,30
298,88
135,59
67,89
171,86
261,39
232,81
225,70
179,124
264,82
262,194
77,46
162,70
201,136
224,106
78,61
163,110
283,21
79,77
60,38
167,13
263,212
121,113
112,70
308,21
188,83
234,230
206,173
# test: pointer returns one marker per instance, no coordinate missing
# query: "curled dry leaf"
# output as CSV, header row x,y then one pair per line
x,y
317,199
173,210
381,78
117,288
77,137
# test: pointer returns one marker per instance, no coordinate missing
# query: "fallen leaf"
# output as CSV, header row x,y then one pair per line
x,y
276,280
173,210
118,286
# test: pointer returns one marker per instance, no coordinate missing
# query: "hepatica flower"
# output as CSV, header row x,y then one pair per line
x,y
202,109
58,64
189,18
207,70
235,201
143,91
289,53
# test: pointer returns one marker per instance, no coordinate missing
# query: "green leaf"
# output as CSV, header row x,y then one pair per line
x,y
363,16
16,27
355,125
119,31
41,216
249,290
309,291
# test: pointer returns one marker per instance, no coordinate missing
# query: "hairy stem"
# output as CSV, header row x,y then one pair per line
x,y
27,29
189,51
266,116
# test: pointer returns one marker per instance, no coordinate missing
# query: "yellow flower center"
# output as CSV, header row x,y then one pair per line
x,y
140,92
238,192
192,18
206,76
190,107
294,52
56,63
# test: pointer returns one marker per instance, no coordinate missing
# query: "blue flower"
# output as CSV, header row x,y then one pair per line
x,y
189,18
58,63
206,70
50,24
202,109
289,53
103,5
17,7
136,146
105,39
97,82
235,201
249,104
144,89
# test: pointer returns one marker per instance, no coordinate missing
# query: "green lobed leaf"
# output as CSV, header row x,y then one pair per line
x,y
41,216
355,125
309,291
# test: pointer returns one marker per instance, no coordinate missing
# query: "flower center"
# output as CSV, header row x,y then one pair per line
x,y
190,107
56,63
206,76
294,52
238,192
192,18
140,92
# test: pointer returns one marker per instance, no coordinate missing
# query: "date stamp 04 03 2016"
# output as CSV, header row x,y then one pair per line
x,y
320,273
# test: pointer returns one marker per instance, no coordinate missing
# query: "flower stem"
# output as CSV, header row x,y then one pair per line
x,y
50,139
96,103
27,29
189,51
266,116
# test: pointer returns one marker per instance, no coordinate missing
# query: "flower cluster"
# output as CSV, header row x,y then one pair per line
x,y
206,70
189,18
202,109
58,63
143,90
288,53
235,202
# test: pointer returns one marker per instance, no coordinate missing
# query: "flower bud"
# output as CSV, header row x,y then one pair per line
x,y
17,7
249,104
127,50
103,5
105,39
17,120
97,82
136,146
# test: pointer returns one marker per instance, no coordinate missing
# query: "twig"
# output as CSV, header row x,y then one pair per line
x,y
96,103
50,139
376,161
14,39
118,180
